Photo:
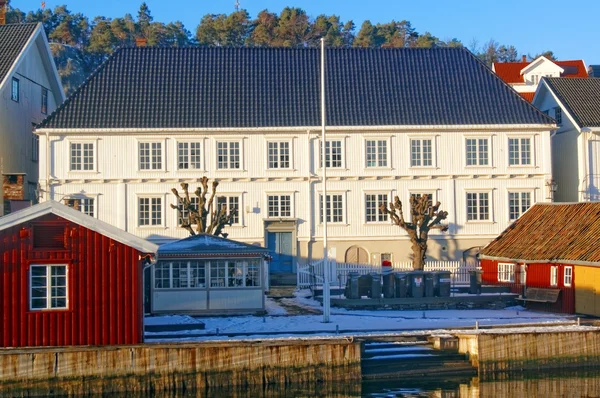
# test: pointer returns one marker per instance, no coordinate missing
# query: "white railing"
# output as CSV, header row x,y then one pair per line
x,y
312,274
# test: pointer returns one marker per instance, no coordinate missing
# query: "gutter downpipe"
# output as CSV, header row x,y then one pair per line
x,y
326,291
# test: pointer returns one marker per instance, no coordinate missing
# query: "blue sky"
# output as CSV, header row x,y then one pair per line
x,y
572,32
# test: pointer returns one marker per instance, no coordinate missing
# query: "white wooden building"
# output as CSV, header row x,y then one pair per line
x,y
575,105
30,89
400,122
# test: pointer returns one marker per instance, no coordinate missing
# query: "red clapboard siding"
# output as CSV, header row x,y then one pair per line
x,y
103,277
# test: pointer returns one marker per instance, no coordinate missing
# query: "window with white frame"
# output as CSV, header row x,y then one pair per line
x,y
506,272
279,205
478,206
519,151
180,275
558,115
376,153
35,147
83,204
278,154
82,156
477,151
149,211
231,203
333,154
189,155
518,203
48,287
421,152
231,273
418,195
553,275
44,108
183,212
14,89
335,208
373,202
150,155
228,155
568,278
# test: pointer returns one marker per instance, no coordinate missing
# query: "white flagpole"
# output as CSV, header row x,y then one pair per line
x,y
326,291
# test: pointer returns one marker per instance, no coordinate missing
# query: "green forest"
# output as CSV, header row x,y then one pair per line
x,y
80,45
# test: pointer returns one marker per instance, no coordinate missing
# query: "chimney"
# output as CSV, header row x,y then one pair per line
x,y
139,42
524,58
3,12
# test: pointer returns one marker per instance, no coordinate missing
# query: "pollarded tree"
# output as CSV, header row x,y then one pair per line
x,y
424,216
200,212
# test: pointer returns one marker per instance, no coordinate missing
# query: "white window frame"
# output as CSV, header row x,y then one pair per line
x,y
558,115
279,195
35,148
189,155
343,212
520,139
228,196
233,279
568,276
478,154
506,272
15,89
377,140
554,275
520,192
228,161
342,165
432,195
49,287
178,217
420,164
162,211
152,166
94,164
84,207
490,206
381,218
290,150
191,283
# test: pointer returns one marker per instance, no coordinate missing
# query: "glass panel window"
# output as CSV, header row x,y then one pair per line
x,y
218,273
519,151
518,203
478,206
197,274
162,276
253,274
553,275
421,154
373,203
35,147
82,156
558,115
333,154
182,212
506,272
149,211
568,280
230,203
189,156
180,275
84,205
150,155
417,195
477,151
279,205
335,208
376,151
279,155
228,155
44,109
14,90
48,287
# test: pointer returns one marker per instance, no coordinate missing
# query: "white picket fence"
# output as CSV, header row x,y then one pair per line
x,y
312,274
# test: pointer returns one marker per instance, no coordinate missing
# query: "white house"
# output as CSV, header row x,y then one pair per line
x,y
400,122
575,105
30,89
525,76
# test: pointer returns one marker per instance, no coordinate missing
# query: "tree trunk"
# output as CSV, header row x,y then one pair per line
x,y
419,251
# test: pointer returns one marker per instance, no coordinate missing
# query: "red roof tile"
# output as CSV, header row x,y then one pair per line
x,y
510,72
551,232
528,96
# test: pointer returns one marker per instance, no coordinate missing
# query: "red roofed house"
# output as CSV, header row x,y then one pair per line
x,y
552,253
525,76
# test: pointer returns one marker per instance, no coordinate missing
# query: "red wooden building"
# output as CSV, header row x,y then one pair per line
x,y
555,249
69,279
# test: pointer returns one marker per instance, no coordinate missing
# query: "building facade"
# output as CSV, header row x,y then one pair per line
x,y
30,90
400,123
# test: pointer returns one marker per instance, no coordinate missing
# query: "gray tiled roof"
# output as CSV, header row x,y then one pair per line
x,y
580,96
207,245
275,87
13,38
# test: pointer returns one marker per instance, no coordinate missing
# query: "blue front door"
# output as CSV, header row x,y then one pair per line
x,y
280,245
